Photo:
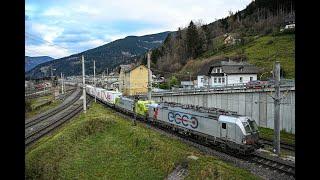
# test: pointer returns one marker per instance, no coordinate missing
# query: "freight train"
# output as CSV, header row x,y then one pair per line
x,y
218,127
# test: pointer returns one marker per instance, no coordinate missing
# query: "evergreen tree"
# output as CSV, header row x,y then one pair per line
x,y
192,40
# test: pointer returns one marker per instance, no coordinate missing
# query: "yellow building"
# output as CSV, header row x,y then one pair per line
x,y
133,80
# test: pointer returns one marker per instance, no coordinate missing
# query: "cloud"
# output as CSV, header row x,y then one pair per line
x,y
46,50
57,12
48,33
82,24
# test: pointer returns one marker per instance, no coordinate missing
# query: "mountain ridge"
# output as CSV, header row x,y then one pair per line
x,y
108,56
33,61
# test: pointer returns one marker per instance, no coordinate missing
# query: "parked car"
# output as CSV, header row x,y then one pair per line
x,y
257,84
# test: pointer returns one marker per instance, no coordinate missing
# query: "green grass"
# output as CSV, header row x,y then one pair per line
x,y
35,102
261,51
103,145
207,167
284,136
265,50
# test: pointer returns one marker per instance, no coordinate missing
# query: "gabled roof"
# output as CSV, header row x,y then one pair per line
x,y
125,67
204,70
134,67
130,67
232,67
236,69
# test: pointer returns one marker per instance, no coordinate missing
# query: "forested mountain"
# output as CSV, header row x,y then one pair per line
x,y
31,62
257,27
111,55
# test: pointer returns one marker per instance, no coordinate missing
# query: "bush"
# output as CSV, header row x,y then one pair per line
x,y
93,126
163,86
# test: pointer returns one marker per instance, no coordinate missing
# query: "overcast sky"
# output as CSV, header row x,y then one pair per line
x,y
59,28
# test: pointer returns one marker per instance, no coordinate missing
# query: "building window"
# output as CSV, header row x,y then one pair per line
x,y
215,80
251,78
241,79
222,80
219,80
218,70
224,125
202,80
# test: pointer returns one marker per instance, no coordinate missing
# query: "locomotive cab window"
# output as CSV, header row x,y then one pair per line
x,y
247,127
253,125
224,125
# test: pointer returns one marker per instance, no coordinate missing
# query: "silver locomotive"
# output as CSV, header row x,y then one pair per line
x,y
216,126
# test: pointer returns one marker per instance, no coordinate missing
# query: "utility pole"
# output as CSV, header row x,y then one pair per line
x,y
107,77
51,76
83,87
189,76
149,77
103,78
277,109
94,79
62,92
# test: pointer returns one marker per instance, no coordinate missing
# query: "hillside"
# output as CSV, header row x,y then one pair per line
x,y
110,55
261,51
252,35
31,62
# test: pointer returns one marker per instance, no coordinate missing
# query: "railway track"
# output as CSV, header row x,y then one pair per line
x,y
275,164
38,130
68,101
283,145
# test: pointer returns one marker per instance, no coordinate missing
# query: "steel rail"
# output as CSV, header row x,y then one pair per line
x,y
278,165
283,145
50,113
69,113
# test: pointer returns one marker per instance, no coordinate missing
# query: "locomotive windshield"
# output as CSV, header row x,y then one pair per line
x,y
246,127
250,126
253,125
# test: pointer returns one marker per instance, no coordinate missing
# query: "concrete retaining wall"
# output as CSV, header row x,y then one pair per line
x,y
257,104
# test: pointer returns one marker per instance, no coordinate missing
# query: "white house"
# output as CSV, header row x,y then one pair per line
x,y
230,72
202,81
224,73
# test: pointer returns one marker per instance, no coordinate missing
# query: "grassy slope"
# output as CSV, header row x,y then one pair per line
x,y
263,54
285,137
103,145
35,102
260,52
